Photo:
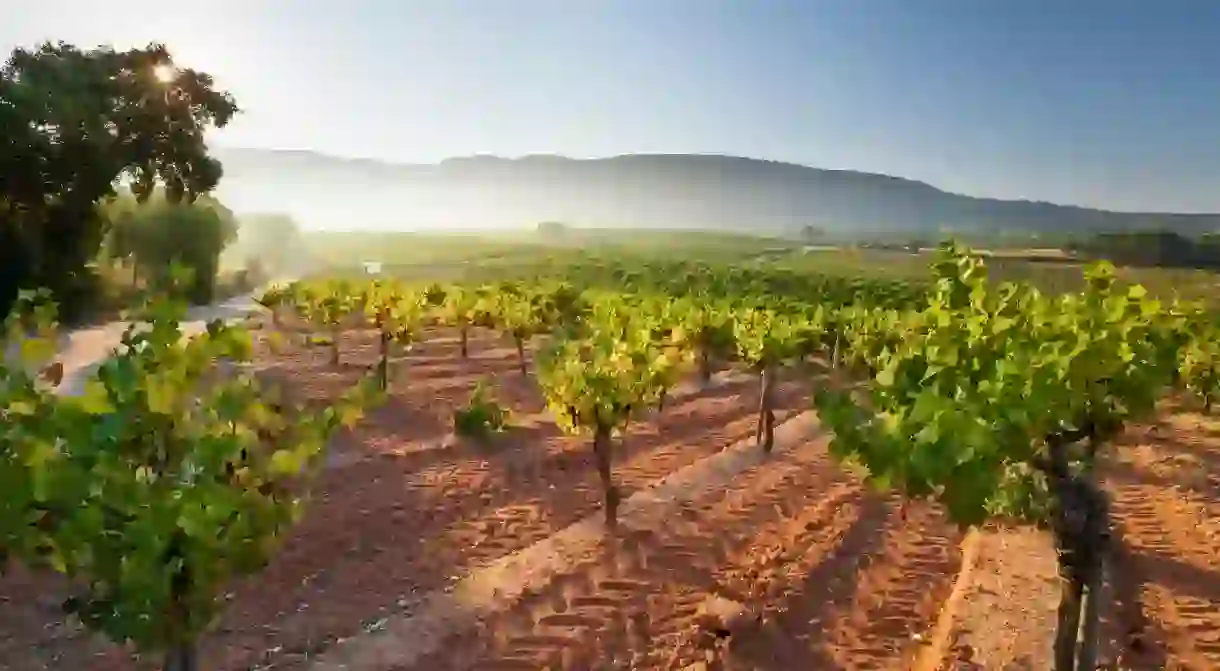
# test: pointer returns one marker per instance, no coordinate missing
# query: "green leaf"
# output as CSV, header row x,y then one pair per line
x,y
287,462
36,352
95,398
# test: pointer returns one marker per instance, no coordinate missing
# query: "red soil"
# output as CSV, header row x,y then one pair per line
x,y
1165,489
1161,606
839,578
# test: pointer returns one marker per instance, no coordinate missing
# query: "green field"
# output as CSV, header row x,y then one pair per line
x,y
1052,275
440,257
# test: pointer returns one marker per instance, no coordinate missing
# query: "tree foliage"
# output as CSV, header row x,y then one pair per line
x,y
159,233
274,241
76,123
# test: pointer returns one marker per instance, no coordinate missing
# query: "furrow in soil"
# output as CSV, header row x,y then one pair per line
x,y
633,606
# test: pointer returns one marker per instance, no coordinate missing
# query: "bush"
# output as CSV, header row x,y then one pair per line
x,y
482,417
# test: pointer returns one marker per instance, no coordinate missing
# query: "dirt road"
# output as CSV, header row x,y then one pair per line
x,y
83,350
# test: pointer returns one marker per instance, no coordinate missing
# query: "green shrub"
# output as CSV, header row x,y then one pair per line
x,y
482,416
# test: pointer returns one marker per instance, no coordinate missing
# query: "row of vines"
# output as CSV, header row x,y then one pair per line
x,y
171,475
994,399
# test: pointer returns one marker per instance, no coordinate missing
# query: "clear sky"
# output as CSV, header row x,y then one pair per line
x,y
1109,103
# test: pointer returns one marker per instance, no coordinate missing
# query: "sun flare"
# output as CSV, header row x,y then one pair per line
x,y
165,73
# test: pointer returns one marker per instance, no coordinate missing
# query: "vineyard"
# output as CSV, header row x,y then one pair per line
x,y
610,462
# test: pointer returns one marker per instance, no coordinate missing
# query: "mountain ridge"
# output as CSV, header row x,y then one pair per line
x,y
712,191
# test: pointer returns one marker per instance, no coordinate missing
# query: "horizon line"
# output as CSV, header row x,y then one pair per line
x,y
397,163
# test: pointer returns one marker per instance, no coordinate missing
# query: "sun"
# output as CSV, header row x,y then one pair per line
x,y
165,73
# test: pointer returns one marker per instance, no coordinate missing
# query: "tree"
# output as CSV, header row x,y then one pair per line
x,y
273,239
159,234
811,233
76,123
552,228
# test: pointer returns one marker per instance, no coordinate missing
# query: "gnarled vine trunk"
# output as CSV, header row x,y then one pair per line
x,y
520,342
602,450
764,434
1080,524
383,362
465,333
705,366
182,658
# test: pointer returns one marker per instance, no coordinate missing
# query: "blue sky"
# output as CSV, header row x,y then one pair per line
x,y
1112,103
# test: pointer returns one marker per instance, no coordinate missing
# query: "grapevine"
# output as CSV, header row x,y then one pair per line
x,y
987,378
167,478
994,399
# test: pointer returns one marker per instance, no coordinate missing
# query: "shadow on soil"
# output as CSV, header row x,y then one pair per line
x,y
1127,475
383,532
796,638
1141,641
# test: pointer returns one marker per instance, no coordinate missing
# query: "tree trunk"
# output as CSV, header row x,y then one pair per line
x,y
661,400
182,658
765,432
705,366
465,331
602,448
521,354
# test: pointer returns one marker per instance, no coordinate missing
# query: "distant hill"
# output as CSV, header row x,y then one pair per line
x,y
671,191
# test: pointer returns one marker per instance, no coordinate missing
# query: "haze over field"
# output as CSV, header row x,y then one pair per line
x,y
1099,104
642,191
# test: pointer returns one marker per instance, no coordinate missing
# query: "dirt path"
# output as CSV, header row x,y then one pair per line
x,y
82,350
1007,618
